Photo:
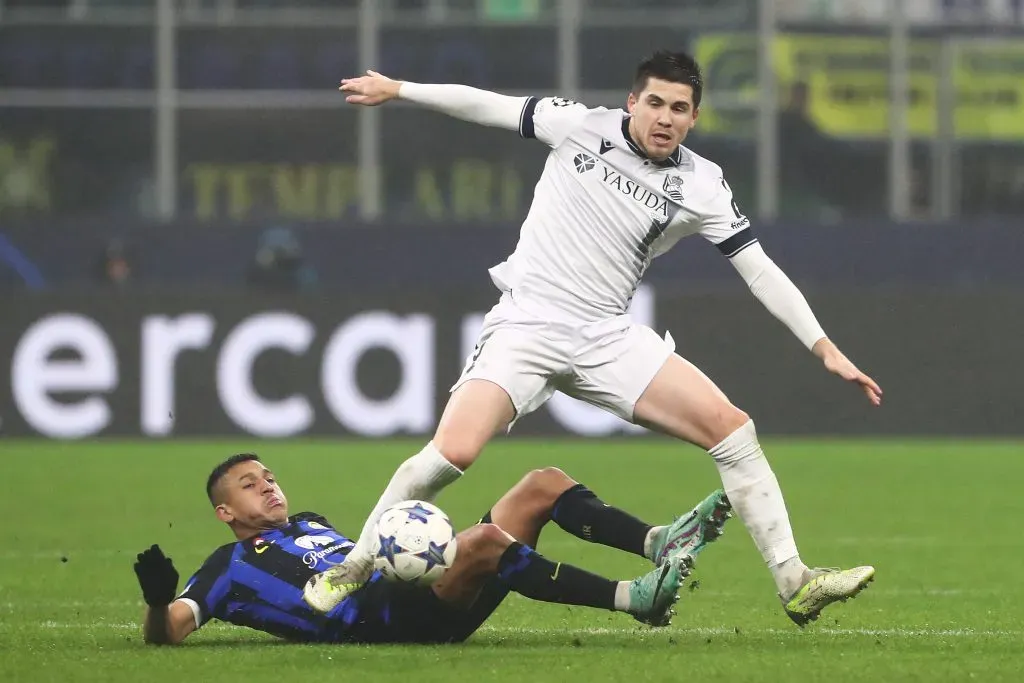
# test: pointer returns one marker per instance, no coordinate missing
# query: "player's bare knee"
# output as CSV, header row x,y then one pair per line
x,y
736,418
483,544
727,420
547,484
476,412
493,536
538,490
458,449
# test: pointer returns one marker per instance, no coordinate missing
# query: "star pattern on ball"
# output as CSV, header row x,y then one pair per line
x,y
433,555
388,547
418,513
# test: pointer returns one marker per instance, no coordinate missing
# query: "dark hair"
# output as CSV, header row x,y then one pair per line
x,y
220,470
675,67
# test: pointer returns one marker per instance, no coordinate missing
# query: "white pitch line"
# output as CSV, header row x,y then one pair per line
x,y
919,541
31,605
98,626
90,554
887,540
728,631
887,592
116,626
696,631
14,555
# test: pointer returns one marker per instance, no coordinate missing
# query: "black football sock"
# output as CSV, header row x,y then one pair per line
x,y
534,576
580,512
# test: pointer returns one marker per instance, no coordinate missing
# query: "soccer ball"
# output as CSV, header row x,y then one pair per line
x,y
414,542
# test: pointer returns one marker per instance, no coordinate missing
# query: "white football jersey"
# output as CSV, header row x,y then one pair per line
x,y
602,211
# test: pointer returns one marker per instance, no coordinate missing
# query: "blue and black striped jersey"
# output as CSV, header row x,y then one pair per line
x,y
258,582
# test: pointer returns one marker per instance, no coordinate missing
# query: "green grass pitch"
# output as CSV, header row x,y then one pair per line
x,y
941,521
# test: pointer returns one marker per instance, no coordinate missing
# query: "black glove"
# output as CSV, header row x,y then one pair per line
x,y
157,576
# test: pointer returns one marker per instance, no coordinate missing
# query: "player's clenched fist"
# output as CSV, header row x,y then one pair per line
x,y
370,90
157,576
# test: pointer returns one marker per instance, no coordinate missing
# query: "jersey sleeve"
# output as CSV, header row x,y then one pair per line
x,y
207,590
551,119
722,222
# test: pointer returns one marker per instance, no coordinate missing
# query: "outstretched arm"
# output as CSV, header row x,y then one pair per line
x,y
777,292
460,101
783,299
168,621
729,230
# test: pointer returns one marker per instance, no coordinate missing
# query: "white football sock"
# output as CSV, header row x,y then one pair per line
x,y
756,498
421,477
622,603
649,541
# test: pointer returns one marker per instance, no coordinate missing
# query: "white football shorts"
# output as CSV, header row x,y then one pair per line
x,y
608,363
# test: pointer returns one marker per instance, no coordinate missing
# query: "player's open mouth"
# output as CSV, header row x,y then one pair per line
x,y
663,138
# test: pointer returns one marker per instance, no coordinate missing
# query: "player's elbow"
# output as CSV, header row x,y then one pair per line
x,y
160,629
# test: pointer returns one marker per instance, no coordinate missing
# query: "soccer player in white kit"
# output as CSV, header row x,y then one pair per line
x,y
618,189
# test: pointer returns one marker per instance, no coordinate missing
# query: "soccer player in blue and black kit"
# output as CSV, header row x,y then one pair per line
x,y
257,581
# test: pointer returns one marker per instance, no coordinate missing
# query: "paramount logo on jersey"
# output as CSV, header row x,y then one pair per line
x,y
319,548
314,557
638,192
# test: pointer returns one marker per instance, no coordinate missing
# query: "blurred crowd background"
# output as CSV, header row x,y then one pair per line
x,y
120,115
189,209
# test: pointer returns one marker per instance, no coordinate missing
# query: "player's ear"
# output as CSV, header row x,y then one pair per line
x,y
224,513
631,103
696,113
